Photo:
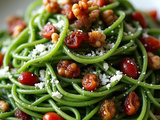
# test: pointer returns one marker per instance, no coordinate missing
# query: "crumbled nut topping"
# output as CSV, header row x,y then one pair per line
x,y
96,38
109,17
4,106
51,6
153,61
55,37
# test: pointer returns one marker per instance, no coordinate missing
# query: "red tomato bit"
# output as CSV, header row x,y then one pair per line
x,y
137,16
1,59
67,10
52,116
153,14
107,110
101,3
130,68
150,43
90,82
48,30
21,115
131,104
75,39
28,78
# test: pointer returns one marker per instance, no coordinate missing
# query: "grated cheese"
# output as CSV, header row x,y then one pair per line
x,y
13,70
105,66
40,49
59,24
57,94
42,75
4,70
100,51
40,85
116,77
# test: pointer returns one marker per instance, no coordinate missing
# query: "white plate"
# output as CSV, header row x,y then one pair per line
x,y
9,7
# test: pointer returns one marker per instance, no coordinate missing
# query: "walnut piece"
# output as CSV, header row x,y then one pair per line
x,y
4,106
109,17
153,61
55,37
96,38
51,6
17,30
94,15
80,11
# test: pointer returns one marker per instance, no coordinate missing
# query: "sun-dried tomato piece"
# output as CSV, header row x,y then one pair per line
x,y
48,30
101,3
153,14
150,43
137,16
67,10
28,78
131,104
52,116
1,59
90,82
75,39
107,110
130,68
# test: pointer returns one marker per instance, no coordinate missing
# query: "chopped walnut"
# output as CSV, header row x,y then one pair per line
x,y
68,69
4,106
94,15
91,4
109,17
17,30
153,61
80,11
55,37
96,38
51,6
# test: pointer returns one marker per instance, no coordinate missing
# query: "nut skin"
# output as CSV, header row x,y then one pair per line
x,y
96,38
4,106
153,61
109,17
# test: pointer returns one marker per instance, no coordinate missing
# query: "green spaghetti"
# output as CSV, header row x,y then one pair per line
x,y
80,60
